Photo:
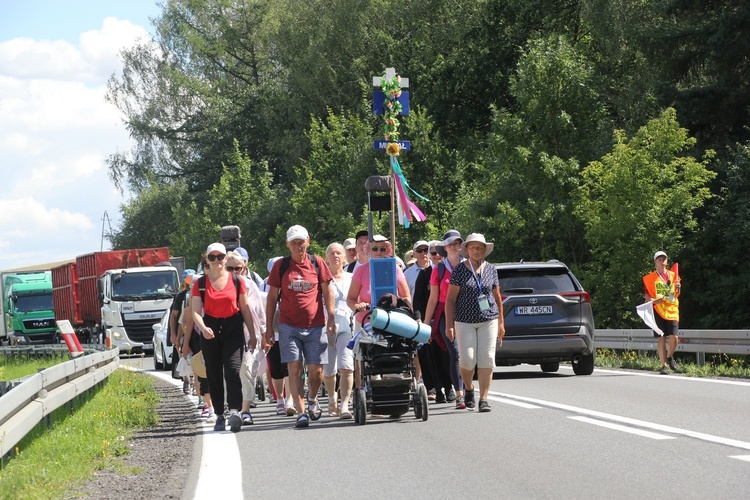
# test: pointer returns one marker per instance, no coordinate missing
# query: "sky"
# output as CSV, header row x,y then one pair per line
x,y
56,129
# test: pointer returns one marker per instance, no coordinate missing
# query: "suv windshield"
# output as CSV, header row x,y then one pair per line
x,y
540,280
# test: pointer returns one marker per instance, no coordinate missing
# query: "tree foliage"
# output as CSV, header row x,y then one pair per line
x,y
549,125
639,198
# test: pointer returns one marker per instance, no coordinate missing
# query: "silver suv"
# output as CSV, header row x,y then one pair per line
x,y
548,317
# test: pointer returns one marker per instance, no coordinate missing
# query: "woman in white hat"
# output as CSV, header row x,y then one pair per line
x,y
474,317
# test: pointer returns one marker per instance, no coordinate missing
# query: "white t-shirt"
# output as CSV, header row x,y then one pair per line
x,y
411,274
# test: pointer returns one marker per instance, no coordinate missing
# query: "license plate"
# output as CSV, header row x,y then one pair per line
x,y
533,310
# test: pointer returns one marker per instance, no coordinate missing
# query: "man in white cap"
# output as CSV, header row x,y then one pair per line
x,y
421,253
350,248
662,287
302,284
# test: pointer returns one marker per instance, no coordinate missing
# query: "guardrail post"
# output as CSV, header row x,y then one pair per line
x,y
700,358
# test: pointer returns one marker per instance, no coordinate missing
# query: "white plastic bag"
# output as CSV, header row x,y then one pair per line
x,y
183,367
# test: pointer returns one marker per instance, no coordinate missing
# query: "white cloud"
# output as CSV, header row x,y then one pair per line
x,y
56,130
93,60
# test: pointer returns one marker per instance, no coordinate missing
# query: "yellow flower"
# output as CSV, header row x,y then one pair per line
x,y
393,149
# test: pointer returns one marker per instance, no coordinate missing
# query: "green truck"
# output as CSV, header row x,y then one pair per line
x,y
28,315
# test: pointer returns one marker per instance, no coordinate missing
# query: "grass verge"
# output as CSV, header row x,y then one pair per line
x,y
49,462
717,365
17,367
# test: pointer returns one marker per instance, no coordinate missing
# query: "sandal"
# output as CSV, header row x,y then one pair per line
x,y
314,410
302,421
247,419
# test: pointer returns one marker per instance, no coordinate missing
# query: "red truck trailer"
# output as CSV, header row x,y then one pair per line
x,y
91,294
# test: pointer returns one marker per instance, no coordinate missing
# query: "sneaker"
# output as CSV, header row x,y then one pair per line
x,y
672,363
235,422
291,411
280,409
664,371
247,419
460,403
206,411
451,395
253,404
210,416
431,396
484,406
185,386
469,399
345,415
302,421
220,424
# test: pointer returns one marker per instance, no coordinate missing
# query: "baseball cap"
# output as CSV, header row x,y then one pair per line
x,y
243,253
420,243
659,254
186,273
216,247
297,233
349,243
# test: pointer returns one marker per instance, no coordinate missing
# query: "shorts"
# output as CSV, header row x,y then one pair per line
x,y
476,344
279,370
308,344
340,357
666,326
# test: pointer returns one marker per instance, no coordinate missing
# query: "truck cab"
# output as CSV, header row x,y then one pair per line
x,y
27,303
133,299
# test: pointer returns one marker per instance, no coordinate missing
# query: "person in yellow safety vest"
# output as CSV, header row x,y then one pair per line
x,y
662,288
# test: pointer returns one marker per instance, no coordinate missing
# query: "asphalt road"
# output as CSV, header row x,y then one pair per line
x,y
614,434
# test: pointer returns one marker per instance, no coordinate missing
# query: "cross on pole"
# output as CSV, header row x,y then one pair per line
x,y
389,74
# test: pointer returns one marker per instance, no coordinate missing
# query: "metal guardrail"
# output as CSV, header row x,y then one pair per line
x,y
22,408
699,342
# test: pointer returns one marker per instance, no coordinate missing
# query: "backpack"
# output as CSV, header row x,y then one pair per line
x,y
202,287
286,262
441,272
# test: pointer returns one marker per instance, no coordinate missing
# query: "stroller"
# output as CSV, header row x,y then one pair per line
x,y
386,383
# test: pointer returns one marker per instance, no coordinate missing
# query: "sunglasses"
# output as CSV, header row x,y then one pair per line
x,y
216,256
420,250
379,249
232,269
433,253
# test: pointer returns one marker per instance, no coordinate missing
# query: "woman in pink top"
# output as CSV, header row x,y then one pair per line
x,y
449,248
360,292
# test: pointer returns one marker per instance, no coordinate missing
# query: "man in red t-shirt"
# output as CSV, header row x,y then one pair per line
x,y
301,288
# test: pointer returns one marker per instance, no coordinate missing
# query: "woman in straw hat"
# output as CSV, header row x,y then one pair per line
x,y
474,317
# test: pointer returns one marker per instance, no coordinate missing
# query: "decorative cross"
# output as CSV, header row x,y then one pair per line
x,y
389,74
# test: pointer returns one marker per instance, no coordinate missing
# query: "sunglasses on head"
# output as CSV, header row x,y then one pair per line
x,y
216,256
232,269
379,249
420,250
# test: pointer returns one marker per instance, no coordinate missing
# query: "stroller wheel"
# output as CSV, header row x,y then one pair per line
x,y
422,403
360,408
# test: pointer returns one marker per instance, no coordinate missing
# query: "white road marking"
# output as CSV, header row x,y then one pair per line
x,y
667,377
514,403
220,473
623,428
630,421
746,458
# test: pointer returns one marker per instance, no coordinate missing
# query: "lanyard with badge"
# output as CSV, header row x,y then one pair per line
x,y
484,302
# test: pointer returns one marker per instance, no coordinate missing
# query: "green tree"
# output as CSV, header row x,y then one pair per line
x,y
717,281
528,168
147,218
244,196
641,197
